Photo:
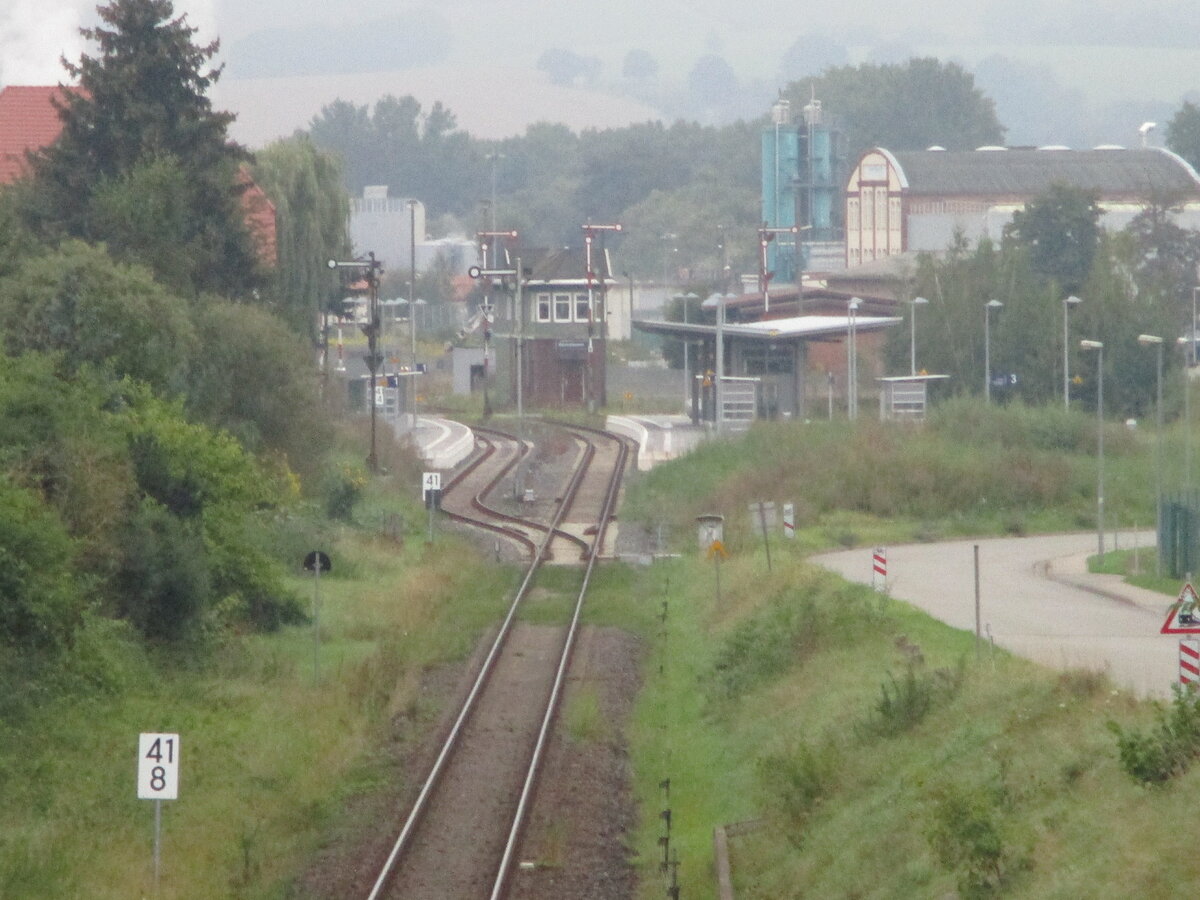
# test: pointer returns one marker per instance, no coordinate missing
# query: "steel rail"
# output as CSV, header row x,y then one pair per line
x,y
523,804
518,537
420,805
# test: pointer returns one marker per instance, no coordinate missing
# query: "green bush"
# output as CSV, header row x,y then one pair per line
x,y
40,605
903,703
1168,748
765,645
795,781
966,834
342,488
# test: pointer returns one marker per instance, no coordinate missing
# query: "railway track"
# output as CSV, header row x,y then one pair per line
x,y
462,836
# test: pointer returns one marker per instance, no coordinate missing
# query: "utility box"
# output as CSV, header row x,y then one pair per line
x,y
711,530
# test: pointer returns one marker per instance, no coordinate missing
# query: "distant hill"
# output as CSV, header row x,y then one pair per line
x,y
489,102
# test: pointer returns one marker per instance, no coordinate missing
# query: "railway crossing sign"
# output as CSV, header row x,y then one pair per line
x,y
1184,617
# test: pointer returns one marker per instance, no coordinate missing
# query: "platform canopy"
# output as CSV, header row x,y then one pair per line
x,y
799,328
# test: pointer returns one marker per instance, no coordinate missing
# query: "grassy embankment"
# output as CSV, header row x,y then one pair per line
x,y
769,704
881,756
269,755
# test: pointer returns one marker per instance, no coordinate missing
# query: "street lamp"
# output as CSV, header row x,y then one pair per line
x,y
718,395
852,358
1098,346
987,347
912,343
1189,349
412,293
1068,302
1151,340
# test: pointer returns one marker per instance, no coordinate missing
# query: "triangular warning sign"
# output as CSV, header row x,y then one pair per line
x,y
1184,617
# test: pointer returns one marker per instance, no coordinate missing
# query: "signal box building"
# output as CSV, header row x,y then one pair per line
x,y
561,334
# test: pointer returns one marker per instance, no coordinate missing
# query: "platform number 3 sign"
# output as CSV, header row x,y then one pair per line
x,y
158,766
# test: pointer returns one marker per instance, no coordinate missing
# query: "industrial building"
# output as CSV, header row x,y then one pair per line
x,y
913,201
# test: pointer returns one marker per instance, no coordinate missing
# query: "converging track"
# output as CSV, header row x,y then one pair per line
x,y
462,835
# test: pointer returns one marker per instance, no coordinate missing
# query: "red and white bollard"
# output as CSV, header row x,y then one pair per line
x,y
879,569
1189,662
341,363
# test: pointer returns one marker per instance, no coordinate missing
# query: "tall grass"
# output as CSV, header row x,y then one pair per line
x,y
269,752
971,469
960,777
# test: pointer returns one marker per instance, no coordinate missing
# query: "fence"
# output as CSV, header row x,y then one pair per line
x,y
1179,533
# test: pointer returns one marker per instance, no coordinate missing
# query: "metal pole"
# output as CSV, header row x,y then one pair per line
x,y
1066,360
520,386
718,396
374,357
978,631
412,300
1100,446
987,347
1187,425
1158,468
317,620
987,354
157,840
912,340
687,381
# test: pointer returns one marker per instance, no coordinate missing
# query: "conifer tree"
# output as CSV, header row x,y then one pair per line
x,y
140,106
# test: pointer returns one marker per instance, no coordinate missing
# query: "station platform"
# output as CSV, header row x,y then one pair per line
x,y
442,443
659,437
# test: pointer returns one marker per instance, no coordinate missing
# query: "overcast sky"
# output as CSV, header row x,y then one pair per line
x,y
1103,51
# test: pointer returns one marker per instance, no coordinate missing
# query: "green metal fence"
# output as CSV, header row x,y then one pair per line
x,y
1179,533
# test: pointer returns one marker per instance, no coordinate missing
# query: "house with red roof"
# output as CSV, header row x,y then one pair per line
x,y
29,121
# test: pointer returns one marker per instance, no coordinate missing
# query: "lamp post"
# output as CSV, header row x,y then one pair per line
x,y
412,295
1068,302
629,276
987,347
1098,346
1187,410
912,341
1152,340
687,379
852,358
718,396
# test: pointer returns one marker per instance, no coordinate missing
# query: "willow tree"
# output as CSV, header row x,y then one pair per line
x,y
311,210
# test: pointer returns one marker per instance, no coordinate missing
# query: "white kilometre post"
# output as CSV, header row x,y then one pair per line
x,y
879,569
1189,663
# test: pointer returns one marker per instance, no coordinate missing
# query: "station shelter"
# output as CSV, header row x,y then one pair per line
x,y
776,353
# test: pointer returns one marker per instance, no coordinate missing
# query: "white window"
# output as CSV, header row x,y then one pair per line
x,y
543,307
562,307
581,307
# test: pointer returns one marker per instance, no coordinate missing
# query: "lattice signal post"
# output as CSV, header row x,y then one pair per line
x,y
373,358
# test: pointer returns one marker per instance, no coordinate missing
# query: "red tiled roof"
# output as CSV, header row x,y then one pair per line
x,y
28,121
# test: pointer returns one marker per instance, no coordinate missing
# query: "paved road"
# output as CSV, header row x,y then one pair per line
x,y
1037,600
